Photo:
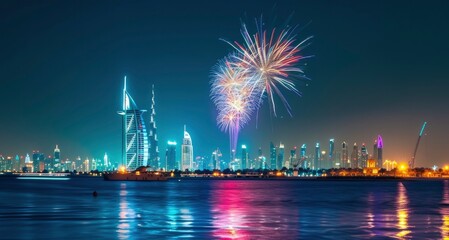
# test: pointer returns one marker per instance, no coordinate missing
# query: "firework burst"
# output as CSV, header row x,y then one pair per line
x,y
264,65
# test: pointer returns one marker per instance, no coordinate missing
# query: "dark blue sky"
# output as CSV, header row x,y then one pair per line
x,y
380,67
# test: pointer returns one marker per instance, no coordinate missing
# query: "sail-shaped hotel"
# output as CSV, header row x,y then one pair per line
x,y
134,133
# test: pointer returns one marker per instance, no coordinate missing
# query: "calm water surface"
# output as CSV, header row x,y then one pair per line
x,y
226,209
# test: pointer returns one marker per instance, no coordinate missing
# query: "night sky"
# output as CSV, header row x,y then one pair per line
x,y
379,67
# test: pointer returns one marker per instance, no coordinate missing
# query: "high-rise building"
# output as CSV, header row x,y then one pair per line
x,y
187,152
106,164
363,156
280,160
57,159
293,159
272,156
303,156
134,134
331,153
375,151
345,155
217,161
316,162
28,164
38,161
380,146
355,156
154,159
170,156
244,157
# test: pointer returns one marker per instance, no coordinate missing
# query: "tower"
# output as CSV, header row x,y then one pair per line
x,y
154,159
134,133
380,146
302,156
375,151
272,156
293,159
105,162
244,157
316,162
187,152
364,156
280,160
355,156
57,159
331,153
170,157
344,155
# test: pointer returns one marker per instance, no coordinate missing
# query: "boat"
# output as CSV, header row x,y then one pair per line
x,y
140,174
38,176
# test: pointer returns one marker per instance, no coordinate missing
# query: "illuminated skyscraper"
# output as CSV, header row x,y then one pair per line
x,y
380,146
57,159
316,162
293,159
217,161
303,156
364,155
187,152
244,157
134,133
170,157
38,161
154,159
355,156
345,155
272,156
331,153
280,160
375,151
106,164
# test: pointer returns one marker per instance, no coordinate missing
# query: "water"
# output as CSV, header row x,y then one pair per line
x,y
223,209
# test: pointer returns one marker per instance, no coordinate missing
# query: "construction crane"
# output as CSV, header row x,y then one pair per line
x,y
412,162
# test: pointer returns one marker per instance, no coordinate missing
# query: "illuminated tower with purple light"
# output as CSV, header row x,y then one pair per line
x,y
380,146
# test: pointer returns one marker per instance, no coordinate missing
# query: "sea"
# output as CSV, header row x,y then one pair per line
x,y
223,209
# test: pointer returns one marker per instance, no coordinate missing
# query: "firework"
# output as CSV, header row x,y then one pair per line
x,y
270,62
264,65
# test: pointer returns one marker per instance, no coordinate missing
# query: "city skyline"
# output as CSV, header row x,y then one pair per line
x,y
61,85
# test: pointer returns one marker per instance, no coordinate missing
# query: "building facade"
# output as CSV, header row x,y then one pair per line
x,y
187,152
134,133
154,159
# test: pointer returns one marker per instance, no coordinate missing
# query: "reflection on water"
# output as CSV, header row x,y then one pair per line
x,y
402,211
444,211
242,210
229,209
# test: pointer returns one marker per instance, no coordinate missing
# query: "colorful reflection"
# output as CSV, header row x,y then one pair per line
x,y
126,215
444,211
402,211
240,212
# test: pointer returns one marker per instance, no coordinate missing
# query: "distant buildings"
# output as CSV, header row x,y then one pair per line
x,y
344,155
186,151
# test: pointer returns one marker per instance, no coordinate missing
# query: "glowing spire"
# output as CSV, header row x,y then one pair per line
x,y
380,143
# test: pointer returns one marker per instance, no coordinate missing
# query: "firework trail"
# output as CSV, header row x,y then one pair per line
x,y
262,66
